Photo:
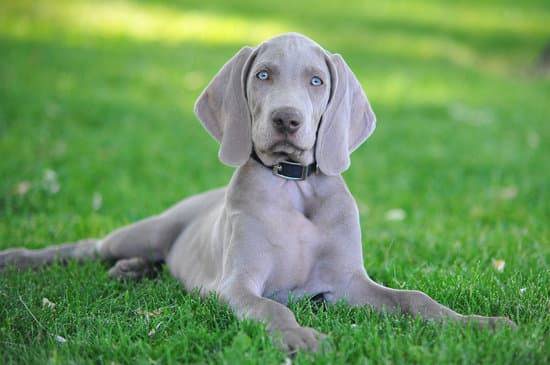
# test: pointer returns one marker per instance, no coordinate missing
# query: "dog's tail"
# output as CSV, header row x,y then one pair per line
x,y
22,258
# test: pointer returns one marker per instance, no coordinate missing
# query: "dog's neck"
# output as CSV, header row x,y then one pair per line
x,y
261,185
288,170
300,193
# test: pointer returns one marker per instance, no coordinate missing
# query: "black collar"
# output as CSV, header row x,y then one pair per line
x,y
289,170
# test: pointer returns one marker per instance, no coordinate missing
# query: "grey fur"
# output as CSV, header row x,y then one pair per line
x,y
263,238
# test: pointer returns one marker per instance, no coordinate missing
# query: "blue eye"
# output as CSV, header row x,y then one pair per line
x,y
316,81
263,75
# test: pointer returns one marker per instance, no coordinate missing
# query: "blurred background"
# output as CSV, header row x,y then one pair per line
x,y
97,128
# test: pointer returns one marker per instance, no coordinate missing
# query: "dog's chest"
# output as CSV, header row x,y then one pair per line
x,y
297,255
300,197
298,245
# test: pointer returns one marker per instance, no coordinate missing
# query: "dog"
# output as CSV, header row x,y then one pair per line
x,y
287,114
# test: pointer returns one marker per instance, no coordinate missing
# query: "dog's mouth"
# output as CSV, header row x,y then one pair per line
x,y
286,150
285,147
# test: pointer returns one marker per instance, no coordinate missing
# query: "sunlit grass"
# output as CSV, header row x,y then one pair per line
x,y
434,30
121,18
485,17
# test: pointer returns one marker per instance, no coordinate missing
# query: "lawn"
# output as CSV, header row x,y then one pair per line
x,y
97,131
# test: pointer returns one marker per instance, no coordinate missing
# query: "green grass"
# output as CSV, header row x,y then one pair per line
x,y
101,92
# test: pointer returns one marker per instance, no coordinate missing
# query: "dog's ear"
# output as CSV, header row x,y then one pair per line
x,y
223,109
347,122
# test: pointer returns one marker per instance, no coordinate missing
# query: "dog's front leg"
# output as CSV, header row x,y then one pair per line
x,y
244,297
364,291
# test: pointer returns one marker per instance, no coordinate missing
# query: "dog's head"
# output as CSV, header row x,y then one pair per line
x,y
289,99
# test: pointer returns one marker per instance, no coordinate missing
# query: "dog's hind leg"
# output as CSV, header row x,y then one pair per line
x,y
23,258
152,238
149,239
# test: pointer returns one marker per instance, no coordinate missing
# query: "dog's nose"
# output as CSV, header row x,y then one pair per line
x,y
286,120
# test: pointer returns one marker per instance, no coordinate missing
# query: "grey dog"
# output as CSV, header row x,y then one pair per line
x,y
287,114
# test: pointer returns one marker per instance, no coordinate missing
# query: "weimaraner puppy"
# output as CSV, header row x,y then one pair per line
x,y
287,114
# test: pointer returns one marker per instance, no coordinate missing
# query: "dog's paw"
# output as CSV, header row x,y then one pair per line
x,y
132,269
296,339
491,322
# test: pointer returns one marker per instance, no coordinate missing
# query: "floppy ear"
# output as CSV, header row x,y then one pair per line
x,y
347,122
223,109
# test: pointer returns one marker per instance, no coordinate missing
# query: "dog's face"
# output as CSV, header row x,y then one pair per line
x,y
287,88
288,99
